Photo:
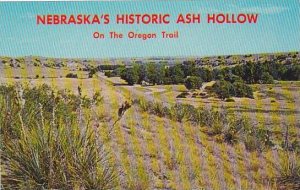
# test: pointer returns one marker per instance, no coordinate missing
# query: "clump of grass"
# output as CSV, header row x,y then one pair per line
x,y
179,112
232,132
214,120
289,171
226,128
256,138
44,144
158,109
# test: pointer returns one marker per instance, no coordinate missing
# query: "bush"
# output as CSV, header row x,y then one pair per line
x,y
183,95
223,89
226,89
108,74
217,121
92,72
71,75
193,82
229,100
266,78
130,76
241,89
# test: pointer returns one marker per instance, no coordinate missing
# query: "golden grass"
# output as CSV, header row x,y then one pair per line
x,y
155,152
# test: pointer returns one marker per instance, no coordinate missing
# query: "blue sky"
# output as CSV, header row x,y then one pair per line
x,y
277,29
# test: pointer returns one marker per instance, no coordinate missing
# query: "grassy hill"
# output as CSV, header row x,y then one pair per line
x,y
151,150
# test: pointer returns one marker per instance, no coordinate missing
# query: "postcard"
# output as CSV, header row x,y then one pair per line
x,y
144,95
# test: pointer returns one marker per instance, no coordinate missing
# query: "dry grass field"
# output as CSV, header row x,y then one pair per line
x,y
159,153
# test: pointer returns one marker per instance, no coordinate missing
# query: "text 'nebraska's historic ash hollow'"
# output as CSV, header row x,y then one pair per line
x,y
189,18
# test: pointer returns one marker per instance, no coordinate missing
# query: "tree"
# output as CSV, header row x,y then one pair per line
x,y
176,74
155,73
249,73
266,78
193,82
188,68
141,69
204,73
293,73
223,89
130,76
240,89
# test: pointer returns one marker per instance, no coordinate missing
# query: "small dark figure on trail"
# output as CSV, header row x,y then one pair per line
x,y
123,108
79,90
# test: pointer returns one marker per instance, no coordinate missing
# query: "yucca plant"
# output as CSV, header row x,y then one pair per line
x,y
144,105
159,109
51,149
289,171
179,112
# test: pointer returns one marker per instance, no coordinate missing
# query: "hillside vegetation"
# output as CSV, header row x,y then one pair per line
x,y
230,131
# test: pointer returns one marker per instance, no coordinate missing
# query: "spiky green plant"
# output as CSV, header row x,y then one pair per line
x,y
46,148
289,171
179,112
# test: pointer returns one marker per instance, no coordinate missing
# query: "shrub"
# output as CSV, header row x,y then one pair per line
x,y
71,75
108,74
266,78
226,89
92,72
193,82
223,89
240,89
214,120
229,100
182,95
130,76
217,121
